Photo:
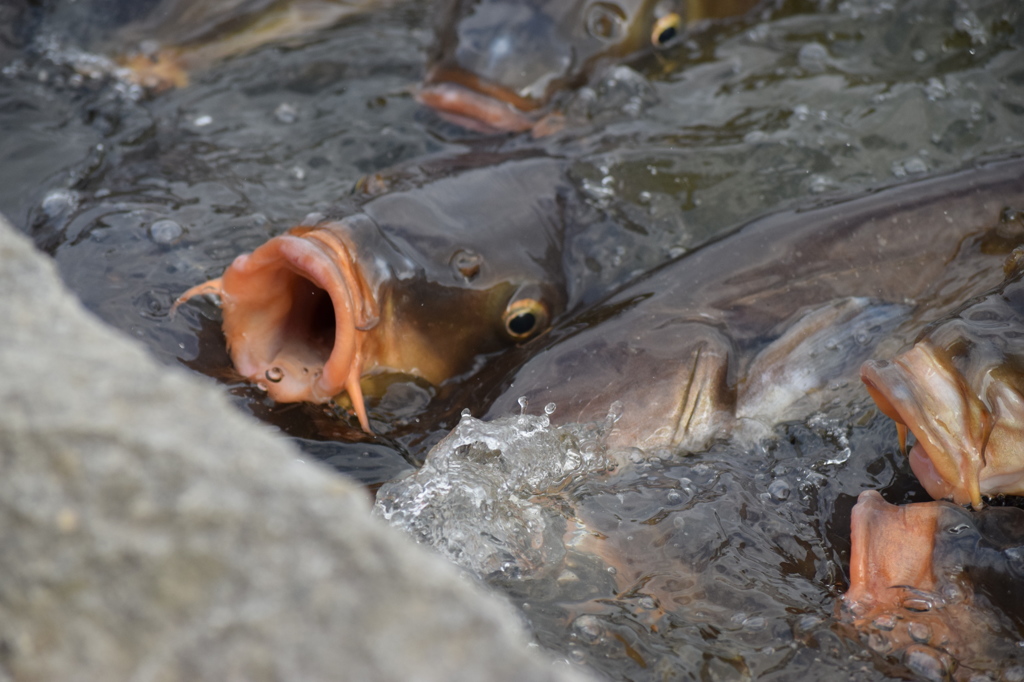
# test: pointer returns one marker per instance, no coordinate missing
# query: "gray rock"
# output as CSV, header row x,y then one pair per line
x,y
149,531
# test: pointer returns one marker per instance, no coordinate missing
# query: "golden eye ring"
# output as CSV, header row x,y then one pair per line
x,y
666,29
524,319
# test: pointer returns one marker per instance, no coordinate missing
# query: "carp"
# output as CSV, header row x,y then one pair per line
x,y
420,281
497,65
161,42
772,322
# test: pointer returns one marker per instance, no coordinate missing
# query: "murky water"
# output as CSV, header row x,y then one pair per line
x,y
139,198
725,565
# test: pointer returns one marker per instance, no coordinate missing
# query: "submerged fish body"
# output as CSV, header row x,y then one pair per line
x,y
932,584
772,322
162,42
418,282
960,391
497,64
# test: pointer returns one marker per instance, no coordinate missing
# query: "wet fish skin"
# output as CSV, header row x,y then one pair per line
x,y
161,43
498,64
931,584
420,282
676,348
960,391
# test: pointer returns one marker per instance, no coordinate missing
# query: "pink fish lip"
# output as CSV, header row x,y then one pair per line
x,y
474,104
919,393
295,316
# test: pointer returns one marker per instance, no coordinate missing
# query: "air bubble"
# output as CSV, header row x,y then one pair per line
x,y
165,231
885,622
755,623
918,604
813,57
926,662
549,409
274,375
60,202
286,113
779,490
919,632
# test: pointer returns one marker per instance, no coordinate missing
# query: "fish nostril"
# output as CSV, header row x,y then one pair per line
x,y
466,263
605,21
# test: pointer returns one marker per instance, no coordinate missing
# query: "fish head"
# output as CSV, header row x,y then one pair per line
x,y
960,391
498,64
412,284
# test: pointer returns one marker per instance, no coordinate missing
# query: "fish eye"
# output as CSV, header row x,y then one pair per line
x,y
524,319
666,29
605,21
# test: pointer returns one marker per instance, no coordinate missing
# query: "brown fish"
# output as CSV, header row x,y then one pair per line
x,y
419,282
161,43
767,323
960,391
936,586
497,64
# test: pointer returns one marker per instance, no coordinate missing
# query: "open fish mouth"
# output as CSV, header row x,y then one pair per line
x,y
921,392
477,105
296,311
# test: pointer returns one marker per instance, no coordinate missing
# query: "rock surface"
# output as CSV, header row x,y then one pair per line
x,y
152,532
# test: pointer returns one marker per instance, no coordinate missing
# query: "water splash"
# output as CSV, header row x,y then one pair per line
x,y
483,497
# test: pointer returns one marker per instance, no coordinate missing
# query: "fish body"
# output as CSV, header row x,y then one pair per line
x,y
498,64
960,391
419,282
162,42
934,585
757,327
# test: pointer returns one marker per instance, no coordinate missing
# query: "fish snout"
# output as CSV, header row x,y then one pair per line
x,y
296,314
